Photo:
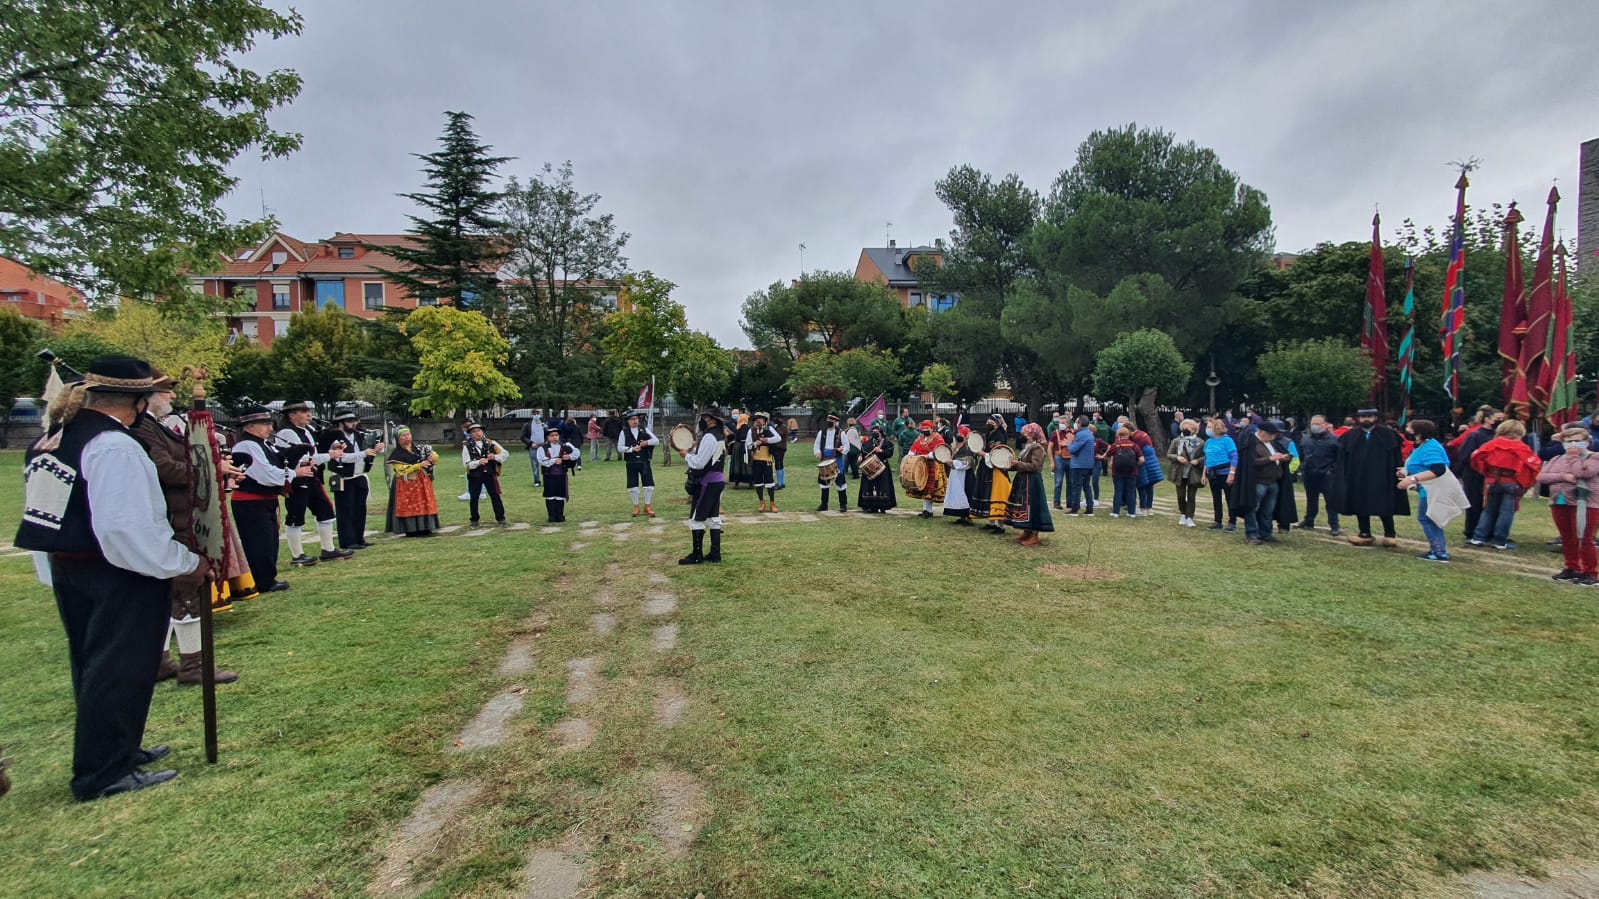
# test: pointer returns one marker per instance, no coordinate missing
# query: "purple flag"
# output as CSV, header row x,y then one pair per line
x,y
878,409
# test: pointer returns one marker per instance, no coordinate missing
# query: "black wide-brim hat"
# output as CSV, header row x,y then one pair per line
x,y
713,412
296,406
124,374
254,413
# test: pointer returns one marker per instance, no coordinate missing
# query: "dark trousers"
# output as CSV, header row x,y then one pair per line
x,y
115,621
1473,516
476,484
1259,516
349,503
257,521
1316,486
1125,494
1498,513
307,495
1079,481
1364,523
1146,497
1217,477
1099,469
1187,492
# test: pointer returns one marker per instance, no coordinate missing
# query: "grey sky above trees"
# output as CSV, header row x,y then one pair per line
x,y
723,135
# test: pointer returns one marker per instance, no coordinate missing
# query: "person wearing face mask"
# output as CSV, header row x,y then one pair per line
x,y
1318,455
169,453
1221,465
94,515
1573,481
1363,481
1441,497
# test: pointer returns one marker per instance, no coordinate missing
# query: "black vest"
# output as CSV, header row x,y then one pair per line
x,y
341,467
309,441
248,484
721,460
628,437
51,523
486,451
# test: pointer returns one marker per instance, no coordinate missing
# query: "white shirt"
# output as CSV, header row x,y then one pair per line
x,y
550,456
471,463
828,439
290,435
770,437
353,452
706,452
128,510
260,470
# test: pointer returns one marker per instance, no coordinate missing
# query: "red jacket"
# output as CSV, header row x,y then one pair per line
x,y
1507,458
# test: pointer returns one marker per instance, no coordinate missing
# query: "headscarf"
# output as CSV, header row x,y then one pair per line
x,y
1032,431
964,430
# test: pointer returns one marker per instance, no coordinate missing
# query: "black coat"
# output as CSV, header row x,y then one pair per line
x,y
1318,455
1365,482
1242,493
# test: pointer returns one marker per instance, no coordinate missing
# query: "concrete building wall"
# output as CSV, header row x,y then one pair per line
x,y
1588,208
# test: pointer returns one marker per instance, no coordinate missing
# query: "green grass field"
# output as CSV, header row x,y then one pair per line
x,y
876,706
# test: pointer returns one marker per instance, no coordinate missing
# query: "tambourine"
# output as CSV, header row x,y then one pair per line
x,y
943,454
683,438
1002,457
975,442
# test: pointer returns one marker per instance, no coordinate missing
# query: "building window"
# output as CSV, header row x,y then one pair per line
x,y
427,301
280,327
943,303
915,300
346,252
247,328
372,294
607,301
280,296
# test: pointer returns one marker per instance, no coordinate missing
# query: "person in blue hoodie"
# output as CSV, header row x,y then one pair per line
x,y
1080,469
1221,463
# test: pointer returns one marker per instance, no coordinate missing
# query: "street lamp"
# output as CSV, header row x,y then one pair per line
x,y
1212,382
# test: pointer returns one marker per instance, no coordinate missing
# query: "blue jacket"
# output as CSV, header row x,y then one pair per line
x,y
1151,472
1082,449
1221,452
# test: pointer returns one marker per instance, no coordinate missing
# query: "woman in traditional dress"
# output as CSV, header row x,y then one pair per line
x,y
996,481
932,490
1028,508
413,509
738,467
877,494
962,480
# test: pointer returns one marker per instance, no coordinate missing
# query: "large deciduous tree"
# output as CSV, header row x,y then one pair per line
x,y
562,255
831,310
458,250
1310,377
639,343
701,370
117,125
460,355
1141,366
169,343
826,381
316,359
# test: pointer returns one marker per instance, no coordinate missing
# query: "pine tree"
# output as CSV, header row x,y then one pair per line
x,y
458,250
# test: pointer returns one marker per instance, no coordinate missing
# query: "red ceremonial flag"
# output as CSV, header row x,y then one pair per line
x,y
1540,315
1454,312
646,398
1513,314
1563,370
1374,338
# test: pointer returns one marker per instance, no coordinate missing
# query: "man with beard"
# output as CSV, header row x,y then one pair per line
x,y
1368,457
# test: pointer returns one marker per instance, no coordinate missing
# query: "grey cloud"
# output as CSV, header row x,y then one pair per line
x,y
722,135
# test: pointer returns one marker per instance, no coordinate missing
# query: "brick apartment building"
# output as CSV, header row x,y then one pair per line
x,y
895,266
35,296
284,276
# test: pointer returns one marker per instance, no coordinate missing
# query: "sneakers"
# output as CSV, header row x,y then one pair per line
x,y
1504,546
1305,526
1232,528
1433,557
1254,541
1335,532
1115,514
1475,542
1587,580
1215,527
1566,574
302,561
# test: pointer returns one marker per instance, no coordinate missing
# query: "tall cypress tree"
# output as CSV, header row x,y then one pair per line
x,y
459,248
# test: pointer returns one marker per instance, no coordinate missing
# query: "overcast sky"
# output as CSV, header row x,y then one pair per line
x,y
722,135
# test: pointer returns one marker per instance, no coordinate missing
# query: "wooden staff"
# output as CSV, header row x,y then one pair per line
x,y
216,561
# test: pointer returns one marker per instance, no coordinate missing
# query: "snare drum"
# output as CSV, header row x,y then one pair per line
x,y
683,439
1001,457
827,472
872,466
943,454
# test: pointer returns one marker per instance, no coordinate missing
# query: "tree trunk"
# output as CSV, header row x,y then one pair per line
x,y
1152,422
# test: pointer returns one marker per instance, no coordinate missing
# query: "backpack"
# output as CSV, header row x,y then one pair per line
x,y
1124,464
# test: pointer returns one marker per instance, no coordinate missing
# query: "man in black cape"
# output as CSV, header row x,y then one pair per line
x,y
1366,484
1284,511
